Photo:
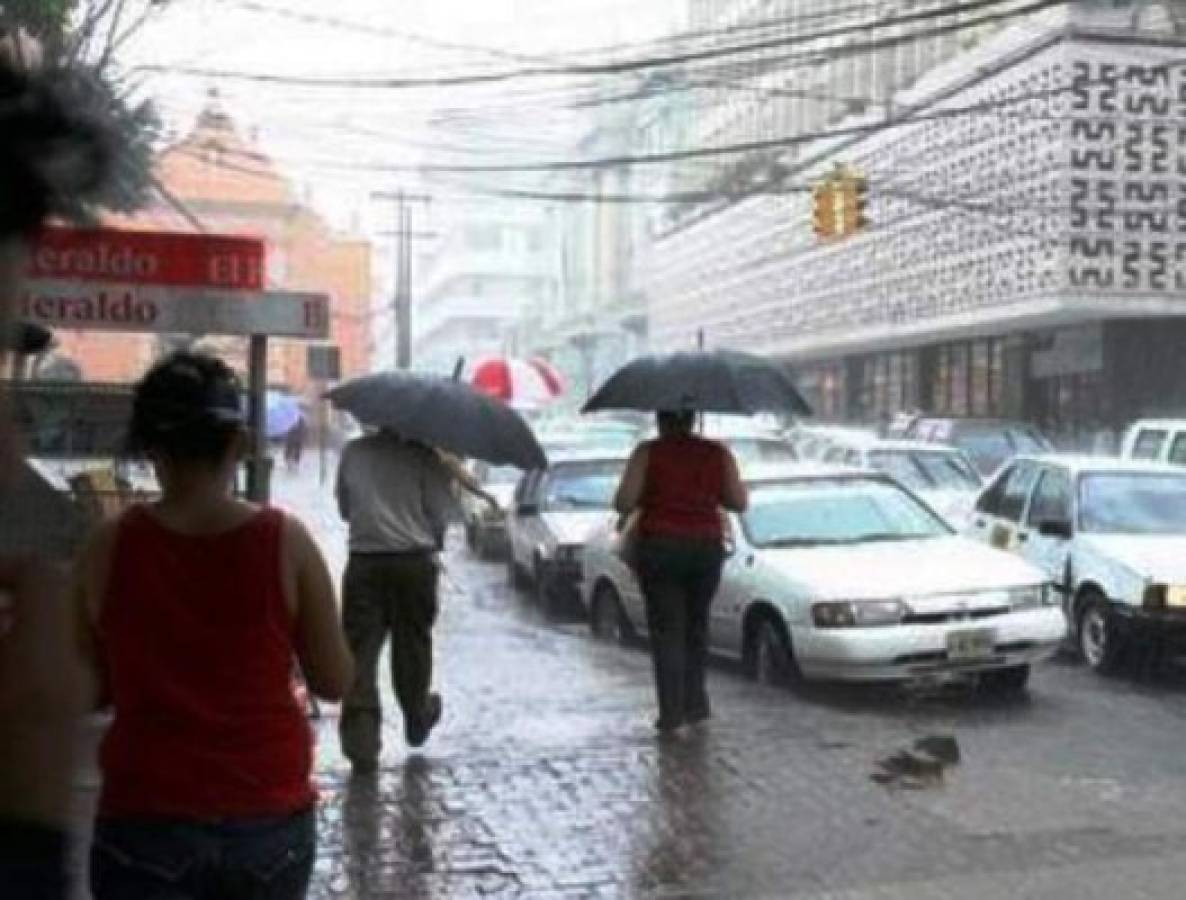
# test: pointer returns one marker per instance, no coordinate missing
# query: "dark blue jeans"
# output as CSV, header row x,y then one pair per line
x,y
679,580
169,859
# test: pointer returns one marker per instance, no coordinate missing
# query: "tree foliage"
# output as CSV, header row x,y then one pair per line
x,y
78,39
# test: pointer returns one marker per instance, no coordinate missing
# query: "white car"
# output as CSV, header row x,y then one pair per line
x,y
1155,440
1111,534
942,476
486,527
551,516
842,574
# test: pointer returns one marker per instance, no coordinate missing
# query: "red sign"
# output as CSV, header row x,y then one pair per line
x,y
148,257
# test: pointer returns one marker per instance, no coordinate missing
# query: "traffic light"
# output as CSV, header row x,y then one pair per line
x,y
824,221
839,204
853,190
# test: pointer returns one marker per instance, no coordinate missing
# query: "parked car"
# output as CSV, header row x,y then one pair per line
x,y
812,442
841,574
752,443
1156,440
485,527
1111,534
551,515
988,442
942,476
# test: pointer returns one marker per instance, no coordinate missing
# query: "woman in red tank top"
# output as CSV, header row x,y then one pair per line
x,y
198,606
679,484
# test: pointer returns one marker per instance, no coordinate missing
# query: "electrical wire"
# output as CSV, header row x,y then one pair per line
x,y
630,66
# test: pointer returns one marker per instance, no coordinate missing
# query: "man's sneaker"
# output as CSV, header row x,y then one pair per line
x,y
417,732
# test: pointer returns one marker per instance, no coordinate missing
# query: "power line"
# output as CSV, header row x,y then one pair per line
x,y
630,66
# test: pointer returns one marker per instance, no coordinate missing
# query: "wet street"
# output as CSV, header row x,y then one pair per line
x,y
546,779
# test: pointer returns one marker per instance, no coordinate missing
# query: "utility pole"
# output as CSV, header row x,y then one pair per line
x,y
402,301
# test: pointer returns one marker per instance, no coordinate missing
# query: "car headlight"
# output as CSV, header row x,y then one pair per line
x,y
857,613
569,555
1033,597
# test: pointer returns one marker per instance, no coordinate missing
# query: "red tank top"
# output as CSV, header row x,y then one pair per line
x,y
197,643
685,482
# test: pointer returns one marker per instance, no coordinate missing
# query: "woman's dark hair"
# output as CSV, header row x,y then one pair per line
x,y
672,421
188,408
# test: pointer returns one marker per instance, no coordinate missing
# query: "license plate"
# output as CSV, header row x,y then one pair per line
x,y
1176,596
963,646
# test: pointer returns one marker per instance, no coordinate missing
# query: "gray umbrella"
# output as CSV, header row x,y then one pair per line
x,y
443,412
717,381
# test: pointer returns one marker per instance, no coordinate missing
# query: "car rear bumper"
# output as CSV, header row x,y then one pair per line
x,y
907,652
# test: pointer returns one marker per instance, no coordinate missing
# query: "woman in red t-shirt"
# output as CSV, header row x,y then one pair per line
x,y
678,484
198,605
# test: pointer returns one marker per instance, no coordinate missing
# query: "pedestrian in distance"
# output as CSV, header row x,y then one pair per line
x,y
396,496
196,606
674,490
294,444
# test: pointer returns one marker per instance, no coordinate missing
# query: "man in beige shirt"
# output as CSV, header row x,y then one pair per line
x,y
397,497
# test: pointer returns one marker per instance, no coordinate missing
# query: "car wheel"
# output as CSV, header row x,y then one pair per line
x,y
1100,645
607,618
770,660
1013,680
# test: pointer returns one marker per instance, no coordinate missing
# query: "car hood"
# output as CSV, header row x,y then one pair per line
x,y
1160,557
954,506
574,527
895,569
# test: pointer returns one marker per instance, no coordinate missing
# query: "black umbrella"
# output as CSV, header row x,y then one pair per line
x,y
717,381
443,412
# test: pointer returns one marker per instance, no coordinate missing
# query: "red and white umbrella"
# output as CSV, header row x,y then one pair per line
x,y
518,382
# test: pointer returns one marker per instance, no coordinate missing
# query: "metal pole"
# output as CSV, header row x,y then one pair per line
x,y
257,464
403,300
322,427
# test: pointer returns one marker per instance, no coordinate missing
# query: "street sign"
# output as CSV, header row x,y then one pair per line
x,y
324,362
147,257
155,309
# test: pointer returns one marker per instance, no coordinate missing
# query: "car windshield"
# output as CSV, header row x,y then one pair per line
x,y
836,512
898,465
760,450
985,445
948,471
573,486
1132,503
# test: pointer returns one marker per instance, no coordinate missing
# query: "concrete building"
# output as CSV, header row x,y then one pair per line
x,y
1027,253
492,261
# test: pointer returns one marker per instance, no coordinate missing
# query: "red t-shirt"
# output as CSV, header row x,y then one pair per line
x,y
198,646
685,483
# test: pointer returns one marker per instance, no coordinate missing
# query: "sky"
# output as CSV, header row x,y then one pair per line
x,y
321,135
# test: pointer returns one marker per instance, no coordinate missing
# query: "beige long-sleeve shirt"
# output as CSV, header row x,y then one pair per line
x,y
396,496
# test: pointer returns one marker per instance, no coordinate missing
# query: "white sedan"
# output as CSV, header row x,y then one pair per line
x,y
1110,533
838,574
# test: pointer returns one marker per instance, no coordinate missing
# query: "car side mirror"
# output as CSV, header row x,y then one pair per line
x,y
1056,528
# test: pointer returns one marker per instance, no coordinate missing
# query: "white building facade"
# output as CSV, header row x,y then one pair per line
x,y
492,261
1027,252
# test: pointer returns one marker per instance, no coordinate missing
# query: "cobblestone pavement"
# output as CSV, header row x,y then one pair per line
x,y
546,780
